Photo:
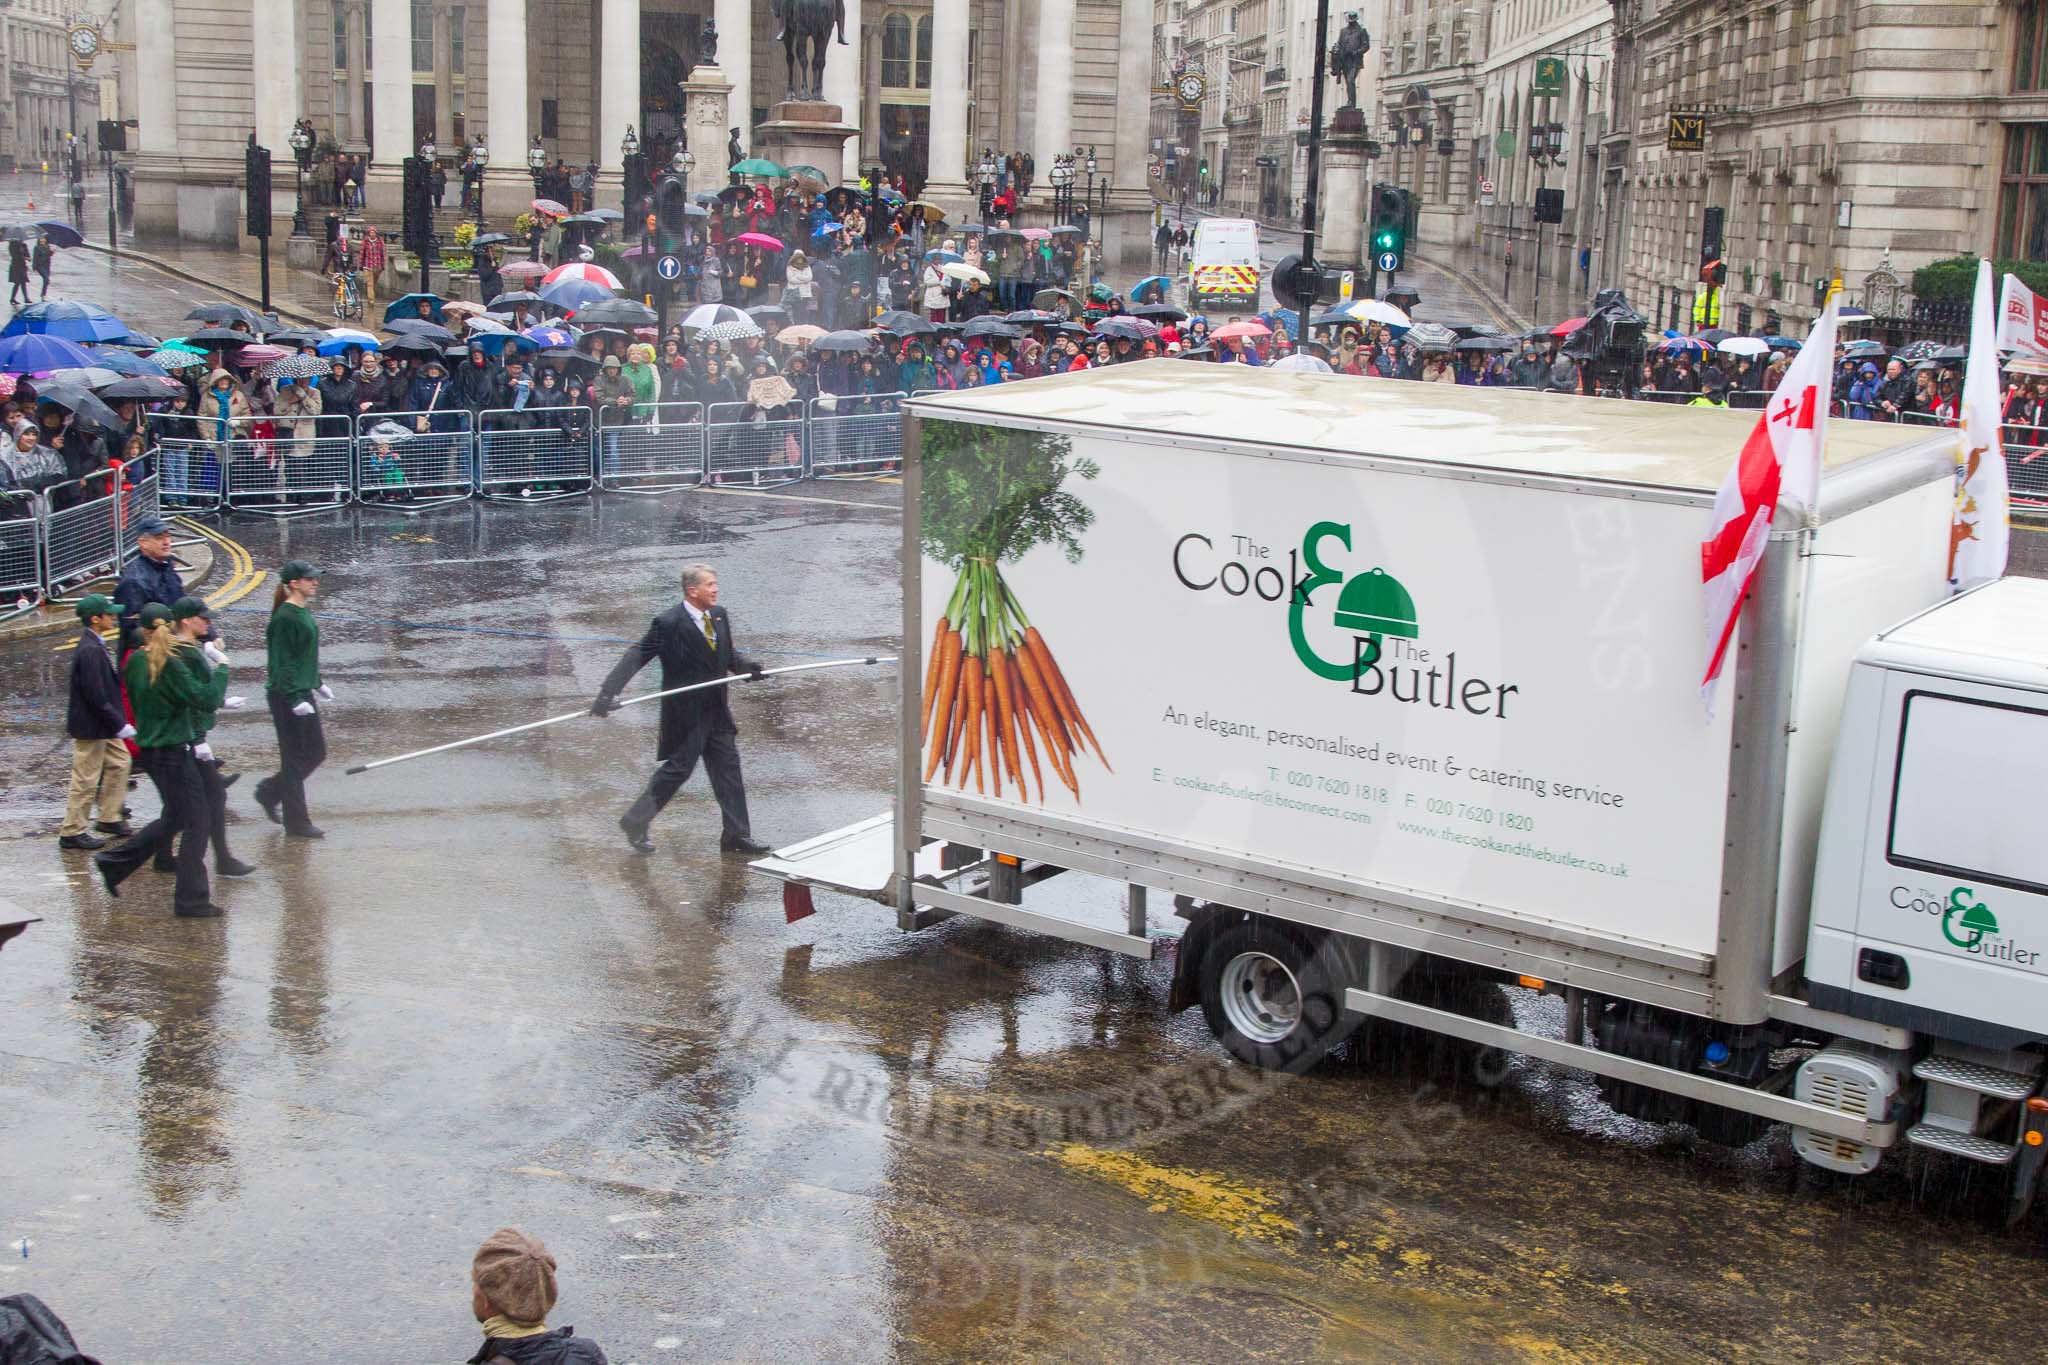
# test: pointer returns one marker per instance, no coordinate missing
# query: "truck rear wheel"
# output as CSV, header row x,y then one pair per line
x,y
1270,996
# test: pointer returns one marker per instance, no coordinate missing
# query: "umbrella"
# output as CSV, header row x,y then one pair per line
x,y
1003,235
125,363
583,270
1035,234
1567,327
932,212
175,360
84,405
1781,343
583,220
843,341
59,232
1863,350
973,229
1052,298
1247,328
494,343
811,173
799,334
409,345
1691,346
1332,319
1377,310
1713,336
960,270
1066,230
732,194
552,208
461,306
695,211
731,331
522,270
575,358
757,166
141,341
408,308
221,314
1489,343
1158,312
548,337
420,327
1032,317
710,315
484,239
1303,364
828,227
1952,353
768,312
602,215
1432,336
297,336
91,376
770,391
486,326
514,297
604,334
1849,312
989,326
259,354
889,196
33,352
72,319
142,388
294,367
942,257
887,320
1916,350
760,239
615,312
909,326
389,433
214,338
1136,329
569,295
1745,346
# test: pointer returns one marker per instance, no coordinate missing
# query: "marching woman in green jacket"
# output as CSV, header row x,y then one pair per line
x,y
294,690
170,697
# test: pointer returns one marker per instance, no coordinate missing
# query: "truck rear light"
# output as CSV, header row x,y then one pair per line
x,y
1534,983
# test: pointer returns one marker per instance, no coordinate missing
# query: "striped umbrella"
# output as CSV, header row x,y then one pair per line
x,y
175,359
294,367
711,314
582,270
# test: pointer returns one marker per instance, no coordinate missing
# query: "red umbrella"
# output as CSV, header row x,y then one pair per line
x,y
1247,328
1565,328
551,208
760,239
259,355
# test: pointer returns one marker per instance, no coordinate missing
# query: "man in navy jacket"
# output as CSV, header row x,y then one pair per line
x,y
97,723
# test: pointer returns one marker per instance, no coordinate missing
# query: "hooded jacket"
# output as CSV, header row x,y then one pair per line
x,y
478,387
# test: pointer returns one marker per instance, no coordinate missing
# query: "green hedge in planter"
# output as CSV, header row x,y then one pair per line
x,y
1955,280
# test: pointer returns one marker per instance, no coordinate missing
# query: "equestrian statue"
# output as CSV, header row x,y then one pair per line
x,y
804,26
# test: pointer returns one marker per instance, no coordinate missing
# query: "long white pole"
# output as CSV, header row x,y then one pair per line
x,y
631,701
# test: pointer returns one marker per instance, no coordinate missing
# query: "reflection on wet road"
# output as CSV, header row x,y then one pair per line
x,y
285,1131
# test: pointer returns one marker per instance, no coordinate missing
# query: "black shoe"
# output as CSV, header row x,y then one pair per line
x,y
636,837
120,829
84,842
268,800
109,874
742,845
307,832
207,911
229,779
234,867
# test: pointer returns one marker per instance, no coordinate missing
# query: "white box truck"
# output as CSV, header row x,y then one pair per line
x,y
1394,688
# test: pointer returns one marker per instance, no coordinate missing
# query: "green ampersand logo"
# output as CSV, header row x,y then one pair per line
x,y
1372,605
1976,919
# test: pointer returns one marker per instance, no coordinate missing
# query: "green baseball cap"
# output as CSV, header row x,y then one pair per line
x,y
296,568
95,604
185,608
155,613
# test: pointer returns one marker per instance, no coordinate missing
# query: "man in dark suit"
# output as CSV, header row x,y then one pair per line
x,y
693,640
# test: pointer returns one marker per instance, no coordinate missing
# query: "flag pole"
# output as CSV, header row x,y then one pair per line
x,y
1809,532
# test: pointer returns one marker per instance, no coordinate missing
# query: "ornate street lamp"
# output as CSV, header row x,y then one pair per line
x,y
683,163
629,145
985,176
536,161
428,151
302,152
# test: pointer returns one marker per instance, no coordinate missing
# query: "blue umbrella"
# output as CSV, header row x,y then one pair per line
x,y
495,342
1692,346
136,341
408,307
548,337
126,363
1161,282
943,257
569,293
1782,343
30,352
57,230
335,346
72,319
827,226
1283,320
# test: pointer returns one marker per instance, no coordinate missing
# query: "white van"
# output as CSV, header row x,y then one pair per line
x,y
1223,262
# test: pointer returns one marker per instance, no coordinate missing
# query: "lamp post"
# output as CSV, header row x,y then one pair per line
x,y
479,158
874,171
537,163
302,154
985,176
1062,178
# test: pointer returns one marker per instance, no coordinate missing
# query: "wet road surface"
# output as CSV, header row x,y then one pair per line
x,y
286,1130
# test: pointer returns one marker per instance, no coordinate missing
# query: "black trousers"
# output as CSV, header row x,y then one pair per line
x,y
301,747
187,817
720,751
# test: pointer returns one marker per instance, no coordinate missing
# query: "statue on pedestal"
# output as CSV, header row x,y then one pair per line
x,y
805,24
707,44
1347,56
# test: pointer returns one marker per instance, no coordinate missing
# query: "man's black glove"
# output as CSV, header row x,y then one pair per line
x,y
754,673
604,705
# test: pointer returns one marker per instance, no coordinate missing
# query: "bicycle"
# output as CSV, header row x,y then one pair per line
x,y
348,295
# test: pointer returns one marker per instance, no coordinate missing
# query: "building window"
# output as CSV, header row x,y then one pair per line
x,y
550,118
2023,193
340,39
456,24
2029,61
924,52
896,51
422,35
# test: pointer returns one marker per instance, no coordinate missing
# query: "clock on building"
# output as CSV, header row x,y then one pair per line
x,y
85,44
1191,87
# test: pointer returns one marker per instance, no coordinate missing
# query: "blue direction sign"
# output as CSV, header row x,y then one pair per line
x,y
1390,261
669,268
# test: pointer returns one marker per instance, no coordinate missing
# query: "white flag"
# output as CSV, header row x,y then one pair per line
x,y
1780,460
1979,537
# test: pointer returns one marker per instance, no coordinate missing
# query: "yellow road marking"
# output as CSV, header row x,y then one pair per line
x,y
1243,1210
243,579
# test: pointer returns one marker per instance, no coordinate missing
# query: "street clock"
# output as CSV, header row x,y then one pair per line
x,y
85,44
1191,87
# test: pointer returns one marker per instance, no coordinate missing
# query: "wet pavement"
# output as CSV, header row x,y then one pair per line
x,y
288,1128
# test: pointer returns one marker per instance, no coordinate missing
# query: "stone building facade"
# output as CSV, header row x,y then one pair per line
x,y
42,91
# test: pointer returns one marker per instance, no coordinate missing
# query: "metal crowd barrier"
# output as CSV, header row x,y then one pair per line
x,y
534,452
82,540
659,455
286,466
744,444
856,436
190,466
21,552
2026,472
425,462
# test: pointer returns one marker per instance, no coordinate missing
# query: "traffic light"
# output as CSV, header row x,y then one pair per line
x,y
1549,206
669,219
256,175
1389,225
634,168
1714,272
1205,168
417,229
1712,223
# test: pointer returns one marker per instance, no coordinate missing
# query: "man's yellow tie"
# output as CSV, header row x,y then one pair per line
x,y
710,633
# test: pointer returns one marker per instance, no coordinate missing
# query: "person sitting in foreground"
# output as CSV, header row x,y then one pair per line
x,y
512,1290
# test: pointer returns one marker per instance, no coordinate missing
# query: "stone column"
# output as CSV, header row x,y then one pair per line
x,y
842,87
735,21
1342,190
1054,130
708,110
1009,87
870,115
946,182
508,184
274,29
358,52
156,83
444,77
1134,98
391,82
618,84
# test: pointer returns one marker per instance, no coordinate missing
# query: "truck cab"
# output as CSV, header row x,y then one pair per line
x,y
1223,262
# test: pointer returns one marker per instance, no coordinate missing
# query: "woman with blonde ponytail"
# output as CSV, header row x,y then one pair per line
x,y
172,699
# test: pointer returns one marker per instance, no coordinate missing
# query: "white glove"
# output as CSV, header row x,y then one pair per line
x,y
234,703
125,732
203,752
326,693
215,653
304,708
